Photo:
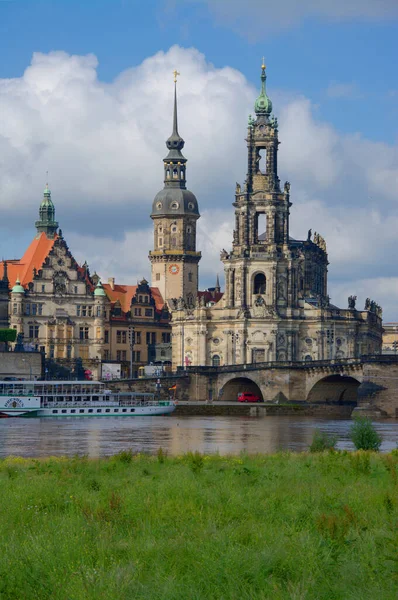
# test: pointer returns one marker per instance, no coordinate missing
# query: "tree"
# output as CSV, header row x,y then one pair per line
x,y
364,436
8,335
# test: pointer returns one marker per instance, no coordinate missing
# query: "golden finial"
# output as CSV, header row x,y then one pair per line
x,y
263,63
175,73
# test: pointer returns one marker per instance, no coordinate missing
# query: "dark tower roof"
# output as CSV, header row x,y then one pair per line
x,y
47,222
175,199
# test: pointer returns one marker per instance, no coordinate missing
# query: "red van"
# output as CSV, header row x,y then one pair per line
x,y
248,397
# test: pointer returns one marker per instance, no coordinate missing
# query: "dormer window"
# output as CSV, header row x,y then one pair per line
x,y
175,205
168,174
175,174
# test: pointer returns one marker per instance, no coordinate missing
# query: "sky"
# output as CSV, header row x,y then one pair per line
x,y
86,95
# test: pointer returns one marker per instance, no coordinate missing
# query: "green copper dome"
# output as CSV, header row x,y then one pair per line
x,y
99,290
17,289
263,105
47,222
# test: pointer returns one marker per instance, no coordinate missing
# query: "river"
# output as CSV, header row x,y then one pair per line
x,y
97,437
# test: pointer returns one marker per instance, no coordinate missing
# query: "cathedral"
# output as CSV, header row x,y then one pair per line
x,y
275,306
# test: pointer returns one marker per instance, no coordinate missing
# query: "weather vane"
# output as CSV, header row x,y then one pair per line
x,y
175,73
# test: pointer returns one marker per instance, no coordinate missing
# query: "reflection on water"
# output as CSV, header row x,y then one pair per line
x,y
226,435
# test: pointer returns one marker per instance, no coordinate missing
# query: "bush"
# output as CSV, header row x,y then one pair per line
x,y
364,436
322,441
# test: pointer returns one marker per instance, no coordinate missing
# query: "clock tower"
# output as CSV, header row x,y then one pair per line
x,y
175,211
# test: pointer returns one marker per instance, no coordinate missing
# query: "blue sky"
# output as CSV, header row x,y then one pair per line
x,y
331,74
306,58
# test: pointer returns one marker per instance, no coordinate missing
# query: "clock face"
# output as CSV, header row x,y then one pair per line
x,y
174,269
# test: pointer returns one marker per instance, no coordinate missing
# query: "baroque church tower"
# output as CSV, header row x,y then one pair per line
x,y
174,213
275,306
267,271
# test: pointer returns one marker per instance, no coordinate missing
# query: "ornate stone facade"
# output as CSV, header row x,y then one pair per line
x,y
65,312
276,305
54,302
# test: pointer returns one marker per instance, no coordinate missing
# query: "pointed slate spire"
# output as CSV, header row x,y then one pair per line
x,y
175,161
217,289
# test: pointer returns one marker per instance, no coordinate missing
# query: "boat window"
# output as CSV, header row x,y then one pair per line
x,y
73,410
63,410
124,409
107,410
132,409
99,410
116,410
90,410
55,411
81,410
95,398
50,399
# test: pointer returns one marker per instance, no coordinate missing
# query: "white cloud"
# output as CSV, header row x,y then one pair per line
x,y
255,18
103,145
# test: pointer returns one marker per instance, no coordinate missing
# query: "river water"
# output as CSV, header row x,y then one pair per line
x,y
97,436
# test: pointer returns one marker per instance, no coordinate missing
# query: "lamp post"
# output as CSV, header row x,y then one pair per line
x,y
132,342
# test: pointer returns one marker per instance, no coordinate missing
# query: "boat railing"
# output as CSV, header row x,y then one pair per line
x,y
100,403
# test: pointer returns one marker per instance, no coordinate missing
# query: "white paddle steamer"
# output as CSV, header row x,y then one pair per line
x,y
76,399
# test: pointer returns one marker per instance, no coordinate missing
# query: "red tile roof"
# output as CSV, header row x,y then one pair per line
x,y
125,293
33,258
211,296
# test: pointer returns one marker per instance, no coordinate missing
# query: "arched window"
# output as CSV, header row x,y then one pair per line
x,y
182,174
190,277
308,358
262,161
168,174
259,283
175,174
215,361
173,242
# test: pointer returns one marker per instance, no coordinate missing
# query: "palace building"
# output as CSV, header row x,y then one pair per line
x,y
276,305
65,312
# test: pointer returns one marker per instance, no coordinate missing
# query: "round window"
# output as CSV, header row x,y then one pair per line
x,y
175,205
216,341
191,205
159,205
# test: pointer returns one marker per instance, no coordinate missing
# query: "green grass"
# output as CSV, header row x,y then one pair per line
x,y
284,526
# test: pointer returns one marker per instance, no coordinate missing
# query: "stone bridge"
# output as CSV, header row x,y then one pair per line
x,y
370,382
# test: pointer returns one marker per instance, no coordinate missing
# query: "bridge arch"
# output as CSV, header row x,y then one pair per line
x,y
230,390
335,388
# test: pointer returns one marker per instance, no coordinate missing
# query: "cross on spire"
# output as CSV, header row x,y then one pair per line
x,y
175,73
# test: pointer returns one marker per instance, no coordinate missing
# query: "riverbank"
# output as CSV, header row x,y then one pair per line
x,y
262,409
206,527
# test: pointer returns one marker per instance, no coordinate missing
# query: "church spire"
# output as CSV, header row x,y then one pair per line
x,y
263,105
175,161
47,222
